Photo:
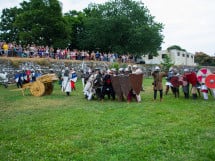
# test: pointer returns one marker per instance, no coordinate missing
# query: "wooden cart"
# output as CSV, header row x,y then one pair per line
x,y
42,86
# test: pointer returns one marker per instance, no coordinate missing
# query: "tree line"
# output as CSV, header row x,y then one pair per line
x,y
117,26
204,60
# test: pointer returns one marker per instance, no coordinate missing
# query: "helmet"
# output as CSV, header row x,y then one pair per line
x,y
186,70
157,68
108,71
113,69
126,69
134,66
170,69
121,69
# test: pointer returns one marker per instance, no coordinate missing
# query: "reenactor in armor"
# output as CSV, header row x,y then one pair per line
x,y
157,84
107,86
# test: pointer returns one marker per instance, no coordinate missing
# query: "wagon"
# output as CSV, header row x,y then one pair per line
x,y
42,86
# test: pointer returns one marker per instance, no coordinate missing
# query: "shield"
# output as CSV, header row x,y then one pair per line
x,y
116,86
202,74
210,81
136,81
28,72
175,81
192,78
125,85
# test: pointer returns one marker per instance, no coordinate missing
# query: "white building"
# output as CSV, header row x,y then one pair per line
x,y
177,57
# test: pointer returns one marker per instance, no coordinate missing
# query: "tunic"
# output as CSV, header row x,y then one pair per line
x,y
158,76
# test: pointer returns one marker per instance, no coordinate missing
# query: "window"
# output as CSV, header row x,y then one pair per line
x,y
150,56
183,55
191,56
188,56
164,56
178,54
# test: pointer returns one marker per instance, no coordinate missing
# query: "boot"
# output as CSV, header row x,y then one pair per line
x,y
186,95
194,96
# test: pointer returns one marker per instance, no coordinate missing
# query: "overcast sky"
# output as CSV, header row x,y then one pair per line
x,y
188,23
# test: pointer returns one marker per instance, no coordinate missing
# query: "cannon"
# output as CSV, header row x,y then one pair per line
x,y
42,86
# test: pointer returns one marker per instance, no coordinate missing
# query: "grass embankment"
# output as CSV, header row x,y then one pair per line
x,y
15,62
58,127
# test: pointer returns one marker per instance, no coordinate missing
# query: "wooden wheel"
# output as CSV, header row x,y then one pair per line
x,y
37,89
48,88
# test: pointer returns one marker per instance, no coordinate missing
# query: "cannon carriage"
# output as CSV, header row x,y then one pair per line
x,y
42,86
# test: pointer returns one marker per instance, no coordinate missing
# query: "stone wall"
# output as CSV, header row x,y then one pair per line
x,y
12,65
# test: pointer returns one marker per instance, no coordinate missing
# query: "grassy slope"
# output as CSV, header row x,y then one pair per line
x,y
57,127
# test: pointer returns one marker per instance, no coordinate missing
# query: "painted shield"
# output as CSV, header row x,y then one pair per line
x,y
175,81
116,86
125,85
202,74
136,81
192,78
210,81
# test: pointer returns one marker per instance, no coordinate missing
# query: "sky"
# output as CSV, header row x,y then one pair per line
x,y
189,24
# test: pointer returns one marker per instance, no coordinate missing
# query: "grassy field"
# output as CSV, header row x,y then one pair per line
x,y
57,127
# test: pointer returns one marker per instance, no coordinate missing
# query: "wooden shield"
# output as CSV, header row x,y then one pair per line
x,y
125,84
202,74
136,81
192,78
116,86
210,81
175,81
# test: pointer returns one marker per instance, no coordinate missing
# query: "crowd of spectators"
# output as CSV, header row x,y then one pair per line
x,y
32,51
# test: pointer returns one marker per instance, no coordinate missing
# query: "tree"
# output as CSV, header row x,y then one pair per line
x,y
121,26
74,20
167,62
9,32
35,24
204,59
175,47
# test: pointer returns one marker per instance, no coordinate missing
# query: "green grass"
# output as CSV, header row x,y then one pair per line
x,y
58,127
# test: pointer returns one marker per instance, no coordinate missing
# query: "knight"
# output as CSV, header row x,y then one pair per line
x,y
157,84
